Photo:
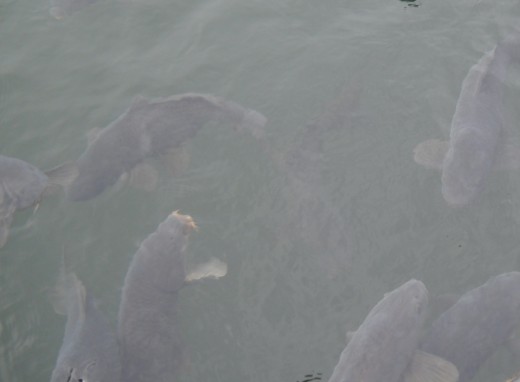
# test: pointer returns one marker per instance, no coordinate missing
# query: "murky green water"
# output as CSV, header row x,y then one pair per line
x,y
311,246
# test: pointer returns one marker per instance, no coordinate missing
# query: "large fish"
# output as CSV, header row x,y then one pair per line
x,y
22,185
151,128
384,346
90,351
481,320
476,142
148,330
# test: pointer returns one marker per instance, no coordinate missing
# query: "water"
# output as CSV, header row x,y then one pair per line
x,y
393,70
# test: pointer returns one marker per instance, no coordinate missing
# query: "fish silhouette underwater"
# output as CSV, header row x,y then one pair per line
x,y
90,351
152,128
476,325
148,331
384,347
477,141
22,185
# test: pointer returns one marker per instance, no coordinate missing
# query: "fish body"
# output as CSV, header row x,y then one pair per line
x,y
90,351
150,128
148,331
476,128
476,143
384,344
481,320
22,185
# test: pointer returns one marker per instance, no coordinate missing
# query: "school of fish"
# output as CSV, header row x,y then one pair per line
x,y
392,344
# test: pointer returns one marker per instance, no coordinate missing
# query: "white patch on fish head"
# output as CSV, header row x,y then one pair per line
x,y
410,299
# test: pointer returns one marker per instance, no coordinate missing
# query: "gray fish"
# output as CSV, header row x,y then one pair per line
x,y
62,8
476,145
148,330
90,351
22,185
384,344
151,128
481,320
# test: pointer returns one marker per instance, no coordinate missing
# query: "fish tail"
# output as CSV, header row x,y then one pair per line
x,y
61,176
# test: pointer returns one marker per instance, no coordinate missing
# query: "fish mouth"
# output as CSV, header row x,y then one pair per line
x,y
187,221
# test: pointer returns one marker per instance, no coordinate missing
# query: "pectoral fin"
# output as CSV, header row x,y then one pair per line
x,y
69,296
431,153
426,367
213,269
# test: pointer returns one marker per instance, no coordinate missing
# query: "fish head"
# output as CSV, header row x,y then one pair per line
x,y
166,252
409,301
415,296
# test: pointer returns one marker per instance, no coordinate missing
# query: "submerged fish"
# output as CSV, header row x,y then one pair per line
x,y
384,346
148,330
481,320
22,185
475,145
90,351
152,128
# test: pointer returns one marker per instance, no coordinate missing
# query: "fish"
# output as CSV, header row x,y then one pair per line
x,y
384,348
480,321
22,185
477,143
90,351
148,331
152,128
59,9
312,219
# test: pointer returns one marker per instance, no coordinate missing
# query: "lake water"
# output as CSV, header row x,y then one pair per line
x,y
315,225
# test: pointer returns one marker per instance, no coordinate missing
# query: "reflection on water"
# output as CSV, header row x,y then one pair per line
x,y
316,221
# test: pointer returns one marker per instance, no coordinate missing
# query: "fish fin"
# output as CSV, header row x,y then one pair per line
x,y
176,160
144,177
61,176
426,367
507,157
430,153
93,134
213,269
69,296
